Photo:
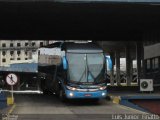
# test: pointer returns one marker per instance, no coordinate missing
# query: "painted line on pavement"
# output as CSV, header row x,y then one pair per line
x,y
12,108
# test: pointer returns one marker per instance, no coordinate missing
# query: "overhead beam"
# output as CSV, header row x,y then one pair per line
x,y
128,65
65,21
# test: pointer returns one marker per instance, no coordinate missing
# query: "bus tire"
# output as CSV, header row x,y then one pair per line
x,y
62,95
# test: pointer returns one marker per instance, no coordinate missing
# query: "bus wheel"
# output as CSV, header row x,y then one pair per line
x,y
62,95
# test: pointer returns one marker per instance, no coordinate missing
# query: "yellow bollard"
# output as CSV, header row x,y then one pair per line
x,y
10,101
116,100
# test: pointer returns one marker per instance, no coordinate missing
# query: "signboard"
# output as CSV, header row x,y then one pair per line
x,y
11,79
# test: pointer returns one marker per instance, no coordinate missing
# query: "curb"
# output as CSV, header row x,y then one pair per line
x,y
6,103
125,102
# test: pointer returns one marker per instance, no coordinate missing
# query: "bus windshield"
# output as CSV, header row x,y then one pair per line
x,y
86,68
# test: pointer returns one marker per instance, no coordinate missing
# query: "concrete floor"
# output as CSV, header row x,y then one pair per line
x,y
38,106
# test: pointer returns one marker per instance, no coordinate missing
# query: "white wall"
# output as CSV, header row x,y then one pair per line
x,y
152,51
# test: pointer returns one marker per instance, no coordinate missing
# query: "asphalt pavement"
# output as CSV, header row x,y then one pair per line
x,y
48,107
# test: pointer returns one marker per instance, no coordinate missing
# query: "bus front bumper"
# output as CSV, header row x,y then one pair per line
x,y
85,95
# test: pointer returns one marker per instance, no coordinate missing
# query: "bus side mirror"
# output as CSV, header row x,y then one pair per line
x,y
64,60
109,62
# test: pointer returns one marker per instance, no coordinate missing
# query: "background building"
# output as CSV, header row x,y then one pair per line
x,y
18,50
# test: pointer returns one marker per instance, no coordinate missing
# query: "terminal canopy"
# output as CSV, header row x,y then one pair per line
x,y
78,19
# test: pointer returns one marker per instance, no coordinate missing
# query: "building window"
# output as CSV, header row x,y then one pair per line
x,y
11,53
18,52
26,53
41,44
26,44
18,44
3,60
3,53
4,45
156,62
18,58
33,51
148,64
11,44
33,43
11,58
153,63
26,58
38,52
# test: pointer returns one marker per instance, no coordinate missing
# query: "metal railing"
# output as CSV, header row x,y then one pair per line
x,y
123,77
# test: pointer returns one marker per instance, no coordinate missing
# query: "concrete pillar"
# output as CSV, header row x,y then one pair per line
x,y
38,82
112,70
131,70
139,58
143,61
18,84
117,57
128,65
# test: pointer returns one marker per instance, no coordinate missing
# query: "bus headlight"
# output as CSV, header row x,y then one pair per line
x,y
71,94
71,88
103,94
103,88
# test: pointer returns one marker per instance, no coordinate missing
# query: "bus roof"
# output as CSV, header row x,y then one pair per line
x,y
83,48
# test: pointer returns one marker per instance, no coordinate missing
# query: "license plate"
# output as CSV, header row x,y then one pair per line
x,y
87,95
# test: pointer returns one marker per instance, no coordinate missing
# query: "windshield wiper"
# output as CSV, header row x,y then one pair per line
x,y
83,72
88,71
82,76
94,78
